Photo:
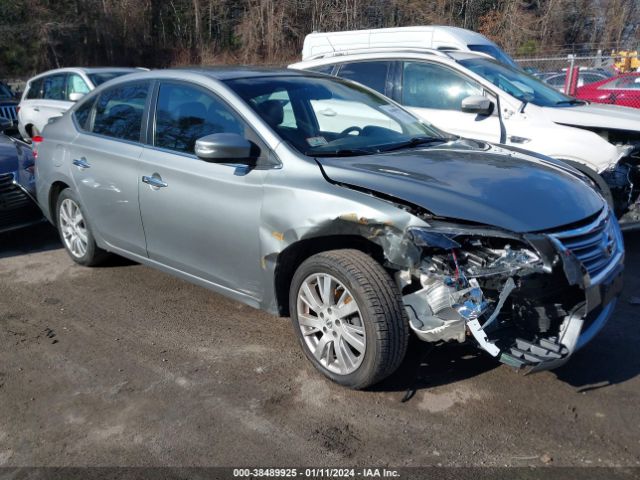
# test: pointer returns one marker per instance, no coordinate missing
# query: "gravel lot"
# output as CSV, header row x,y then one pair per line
x,y
124,365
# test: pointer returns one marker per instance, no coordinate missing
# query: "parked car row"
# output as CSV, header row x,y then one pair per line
x,y
367,192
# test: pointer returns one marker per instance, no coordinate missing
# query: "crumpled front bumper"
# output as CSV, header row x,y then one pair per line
x,y
601,292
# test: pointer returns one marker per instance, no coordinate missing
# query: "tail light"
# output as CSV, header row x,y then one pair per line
x,y
35,141
18,109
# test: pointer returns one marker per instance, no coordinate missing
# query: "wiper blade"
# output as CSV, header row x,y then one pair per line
x,y
343,152
414,142
573,101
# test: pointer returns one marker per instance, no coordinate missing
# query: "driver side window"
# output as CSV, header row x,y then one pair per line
x,y
186,113
427,85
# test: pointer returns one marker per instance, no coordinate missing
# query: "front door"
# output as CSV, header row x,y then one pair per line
x,y
435,93
200,218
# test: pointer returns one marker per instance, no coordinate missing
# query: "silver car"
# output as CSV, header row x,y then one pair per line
x,y
362,226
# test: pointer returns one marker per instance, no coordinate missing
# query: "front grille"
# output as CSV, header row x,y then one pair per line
x,y
9,111
597,244
15,205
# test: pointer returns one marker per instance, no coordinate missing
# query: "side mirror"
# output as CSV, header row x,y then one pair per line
x,y
220,147
75,96
5,124
477,104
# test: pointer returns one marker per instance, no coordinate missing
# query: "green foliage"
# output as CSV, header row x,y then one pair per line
x,y
528,48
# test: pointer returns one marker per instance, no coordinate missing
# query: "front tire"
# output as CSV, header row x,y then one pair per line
x,y
75,232
348,315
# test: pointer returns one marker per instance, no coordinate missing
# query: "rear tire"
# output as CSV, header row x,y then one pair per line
x,y
75,232
349,318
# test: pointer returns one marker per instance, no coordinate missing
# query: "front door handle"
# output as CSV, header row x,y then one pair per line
x,y
36,109
154,181
81,163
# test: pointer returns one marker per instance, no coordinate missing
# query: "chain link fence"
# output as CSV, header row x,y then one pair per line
x,y
610,79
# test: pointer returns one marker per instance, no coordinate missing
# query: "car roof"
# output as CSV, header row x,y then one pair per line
x,y
446,56
87,70
237,72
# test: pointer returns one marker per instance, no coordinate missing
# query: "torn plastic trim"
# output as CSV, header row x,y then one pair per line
x,y
546,352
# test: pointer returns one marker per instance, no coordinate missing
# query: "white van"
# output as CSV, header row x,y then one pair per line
x,y
437,37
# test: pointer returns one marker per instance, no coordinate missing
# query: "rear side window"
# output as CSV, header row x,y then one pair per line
x,y
53,87
371,74
35,89
119,111
426,85
186,113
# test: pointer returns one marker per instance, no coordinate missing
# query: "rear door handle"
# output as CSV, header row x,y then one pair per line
x,y
81,163
36,109
154,181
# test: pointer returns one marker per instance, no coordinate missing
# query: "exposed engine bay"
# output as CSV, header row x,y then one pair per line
x,y
524,307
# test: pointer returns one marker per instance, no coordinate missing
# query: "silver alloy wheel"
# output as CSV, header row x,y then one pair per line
x,y
331,323
73,228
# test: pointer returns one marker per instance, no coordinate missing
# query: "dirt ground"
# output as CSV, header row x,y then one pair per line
x,y
126,366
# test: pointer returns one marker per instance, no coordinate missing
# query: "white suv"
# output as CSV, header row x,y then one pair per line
x,y
52,93
474,96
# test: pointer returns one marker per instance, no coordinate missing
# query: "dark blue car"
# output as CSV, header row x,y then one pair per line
x,y
17,184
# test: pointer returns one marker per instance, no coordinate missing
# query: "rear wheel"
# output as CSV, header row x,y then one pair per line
x,y
75,232
349,318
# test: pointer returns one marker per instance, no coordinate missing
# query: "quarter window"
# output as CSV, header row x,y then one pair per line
x,y
53,87
185,113
371,74
426,85
75,84
119,111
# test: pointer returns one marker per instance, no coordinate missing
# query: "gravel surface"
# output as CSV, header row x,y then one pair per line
x,y
126,366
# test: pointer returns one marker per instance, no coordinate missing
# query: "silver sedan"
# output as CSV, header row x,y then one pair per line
x,y
319,199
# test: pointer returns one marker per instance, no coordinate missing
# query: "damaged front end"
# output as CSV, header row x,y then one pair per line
x,y
623,180
530,300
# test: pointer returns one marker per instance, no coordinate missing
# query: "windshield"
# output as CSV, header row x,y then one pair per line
x,y
99,78
5,93
495,52
325,116
517,83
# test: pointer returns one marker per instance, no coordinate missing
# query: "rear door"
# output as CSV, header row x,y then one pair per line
x,y
200,218
435,93
105,158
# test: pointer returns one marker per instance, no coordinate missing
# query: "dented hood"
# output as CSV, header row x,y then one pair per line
x,y
596,115
491,186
